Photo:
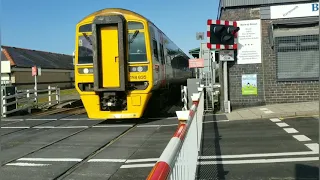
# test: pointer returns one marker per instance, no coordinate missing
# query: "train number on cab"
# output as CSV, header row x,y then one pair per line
x,y
138,77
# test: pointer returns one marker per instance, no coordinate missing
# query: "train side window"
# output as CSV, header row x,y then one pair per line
x,y
162,54
155,49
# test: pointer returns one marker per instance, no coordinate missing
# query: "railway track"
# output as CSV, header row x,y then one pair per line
x,y
95,151
93,154
69,111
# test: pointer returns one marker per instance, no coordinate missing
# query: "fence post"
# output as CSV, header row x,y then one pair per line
x,y
28,97
57,95
4,108
49,94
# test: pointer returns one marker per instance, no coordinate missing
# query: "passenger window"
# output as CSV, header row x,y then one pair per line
x,y
162,54
155,49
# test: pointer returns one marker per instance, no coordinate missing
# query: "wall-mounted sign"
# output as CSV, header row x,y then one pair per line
x,y
226,55
249,84
196,63
294,10
249,42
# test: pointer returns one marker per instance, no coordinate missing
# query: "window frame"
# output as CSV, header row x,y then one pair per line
x,y
296,47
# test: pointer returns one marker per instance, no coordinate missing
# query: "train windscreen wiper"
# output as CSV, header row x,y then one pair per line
x,y
87,38
134,36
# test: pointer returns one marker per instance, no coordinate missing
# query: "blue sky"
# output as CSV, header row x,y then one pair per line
x,y
49,25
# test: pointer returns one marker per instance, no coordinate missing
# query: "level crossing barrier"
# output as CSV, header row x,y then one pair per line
x,y
179,159
29,98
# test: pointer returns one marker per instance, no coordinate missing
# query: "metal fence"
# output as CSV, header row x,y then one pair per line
x,y
179,159
28,99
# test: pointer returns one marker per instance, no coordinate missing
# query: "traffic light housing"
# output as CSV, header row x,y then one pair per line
x,y
222,34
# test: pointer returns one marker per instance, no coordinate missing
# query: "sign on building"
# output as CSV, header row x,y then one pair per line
x,y
249,42
249,84
294,10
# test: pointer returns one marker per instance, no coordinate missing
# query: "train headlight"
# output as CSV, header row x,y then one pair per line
x,y
85,70
138,68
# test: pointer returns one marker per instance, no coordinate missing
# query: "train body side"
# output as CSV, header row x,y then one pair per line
x,y
115,77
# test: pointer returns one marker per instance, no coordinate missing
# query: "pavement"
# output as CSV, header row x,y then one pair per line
x,y
273,111
264,149
74,147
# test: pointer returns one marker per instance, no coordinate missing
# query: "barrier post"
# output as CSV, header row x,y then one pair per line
x,y
49,94
4,108
28,96
182,116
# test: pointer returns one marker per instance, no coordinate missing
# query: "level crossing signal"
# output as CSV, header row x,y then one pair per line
x,y
222,34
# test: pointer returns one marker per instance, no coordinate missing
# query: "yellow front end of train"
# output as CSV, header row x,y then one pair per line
x,y
113,66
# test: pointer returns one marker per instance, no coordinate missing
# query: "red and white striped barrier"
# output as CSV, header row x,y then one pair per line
x,y
184,139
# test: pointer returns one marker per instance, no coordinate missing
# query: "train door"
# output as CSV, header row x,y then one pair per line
x,y
162,61
109,56
109,59
155,56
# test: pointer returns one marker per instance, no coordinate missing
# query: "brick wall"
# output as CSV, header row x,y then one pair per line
x,y
269,90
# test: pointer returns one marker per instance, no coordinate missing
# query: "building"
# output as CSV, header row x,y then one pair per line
x,y
56,69
278,53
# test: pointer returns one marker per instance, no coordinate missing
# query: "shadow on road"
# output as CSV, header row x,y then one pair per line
x,y
306,172
211,147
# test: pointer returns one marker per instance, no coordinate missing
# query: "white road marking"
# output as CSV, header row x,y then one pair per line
x,y
167,125
26,164
266,110
275,119
313,146
302,138
17,127
151,125
107,160
258,161
138,165
261,155
41,119
12,119
282,124
157,125
215,121
51,159
44,127
290,130
163,118
70,127
104,126
141,160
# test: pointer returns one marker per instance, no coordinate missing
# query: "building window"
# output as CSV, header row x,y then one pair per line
x,y
297,57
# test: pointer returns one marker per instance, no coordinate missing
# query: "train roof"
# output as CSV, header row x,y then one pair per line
x,y
126,11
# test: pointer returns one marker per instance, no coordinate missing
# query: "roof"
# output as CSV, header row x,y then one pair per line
x,y
194,51
26,58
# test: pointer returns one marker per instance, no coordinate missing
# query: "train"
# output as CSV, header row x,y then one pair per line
x,y
125,66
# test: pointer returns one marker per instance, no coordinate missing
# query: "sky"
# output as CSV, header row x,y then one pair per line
x,y
49,25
